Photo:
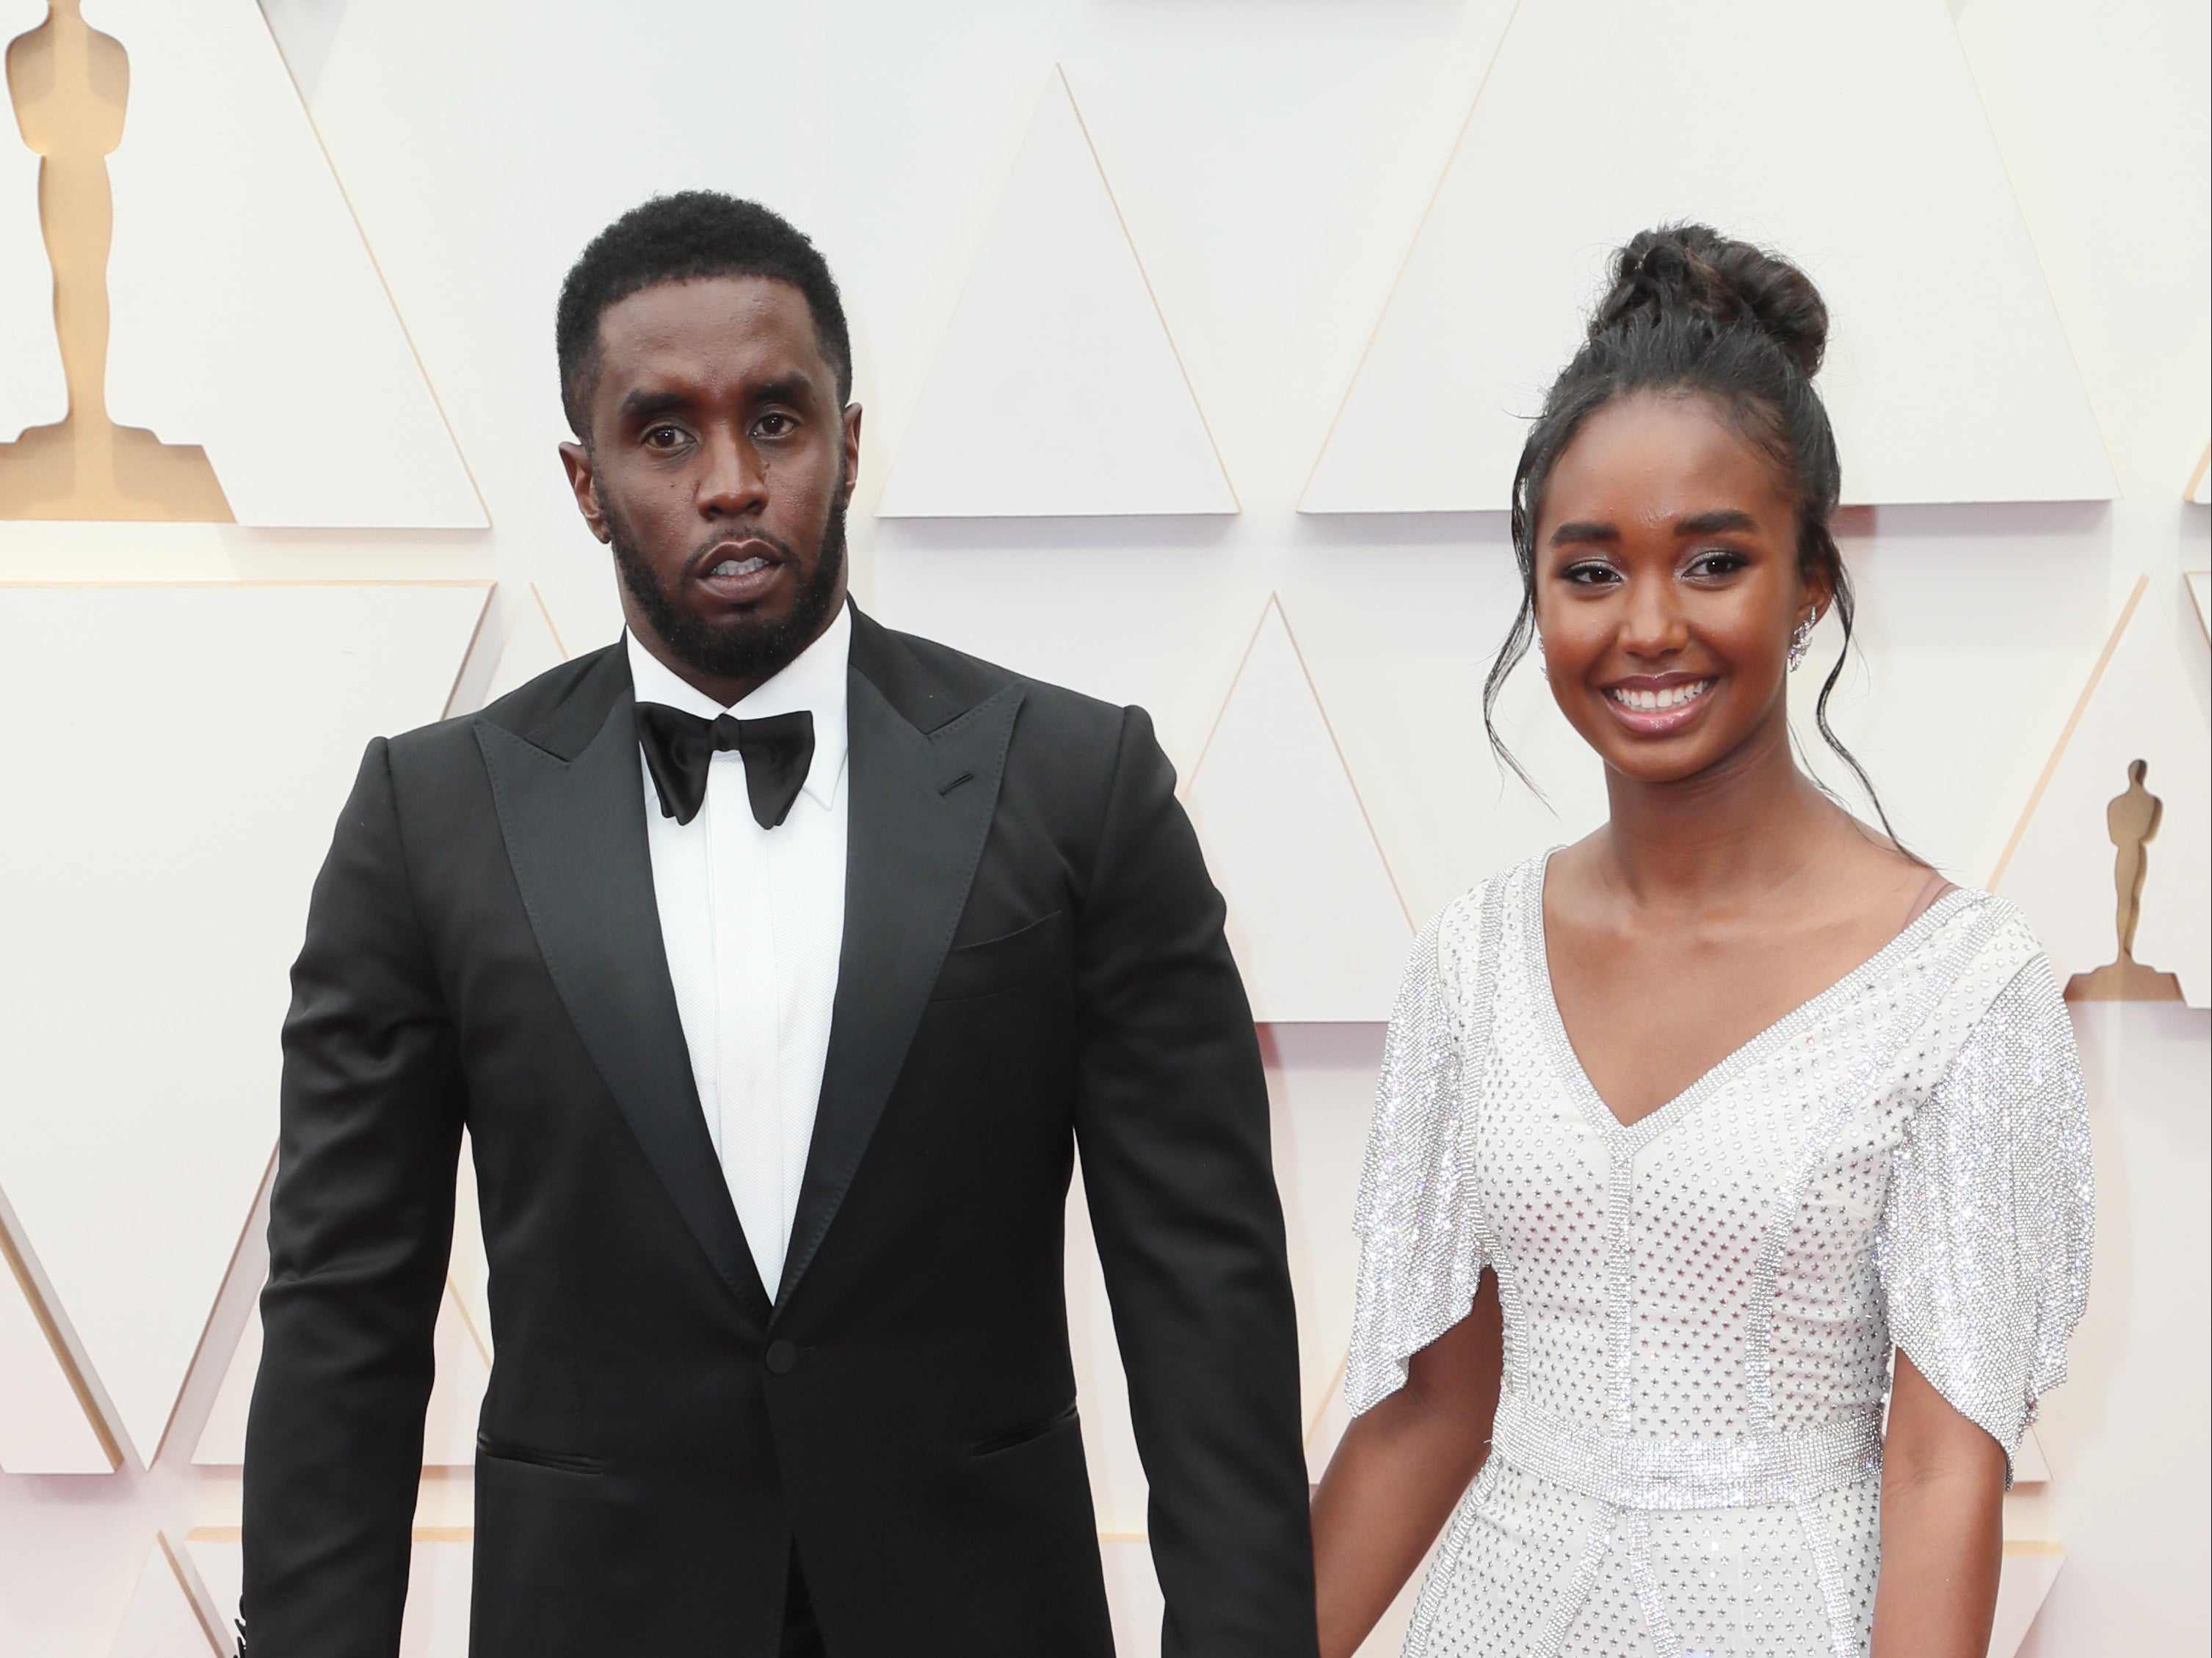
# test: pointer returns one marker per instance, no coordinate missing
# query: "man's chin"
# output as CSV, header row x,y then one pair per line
x,y
738,622
751,644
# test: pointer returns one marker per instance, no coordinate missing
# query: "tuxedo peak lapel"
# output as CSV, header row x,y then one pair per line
x,y
562,710
574,828
921,803
921,698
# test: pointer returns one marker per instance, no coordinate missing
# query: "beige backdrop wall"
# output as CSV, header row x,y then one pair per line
x,y
1259,289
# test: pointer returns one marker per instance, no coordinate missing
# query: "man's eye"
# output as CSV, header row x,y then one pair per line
x,y
775,425
664,437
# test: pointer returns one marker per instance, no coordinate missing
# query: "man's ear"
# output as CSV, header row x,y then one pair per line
x,y
577,459
852,448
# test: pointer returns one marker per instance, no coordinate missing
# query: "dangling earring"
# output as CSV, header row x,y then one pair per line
x,y
1800,641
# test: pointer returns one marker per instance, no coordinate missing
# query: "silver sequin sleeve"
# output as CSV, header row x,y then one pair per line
x,y
1984,1240
1420,1257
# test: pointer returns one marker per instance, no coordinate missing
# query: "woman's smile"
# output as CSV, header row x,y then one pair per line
x,y
1659,705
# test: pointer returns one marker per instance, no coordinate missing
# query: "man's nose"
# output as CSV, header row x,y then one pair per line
x,y
732,482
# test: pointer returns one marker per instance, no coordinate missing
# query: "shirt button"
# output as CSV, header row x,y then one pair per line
x,y
783,1358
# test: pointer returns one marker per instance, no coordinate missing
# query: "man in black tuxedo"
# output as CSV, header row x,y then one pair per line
x,y
776,1031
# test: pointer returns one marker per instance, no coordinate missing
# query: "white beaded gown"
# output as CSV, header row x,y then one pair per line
x,y
1700,1308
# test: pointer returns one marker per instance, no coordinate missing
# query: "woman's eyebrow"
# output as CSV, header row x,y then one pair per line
x,y
1583,529
1713,523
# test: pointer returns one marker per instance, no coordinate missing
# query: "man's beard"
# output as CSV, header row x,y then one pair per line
x,y
740,650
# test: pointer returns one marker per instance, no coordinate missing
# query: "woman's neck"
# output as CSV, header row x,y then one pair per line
x,y
1747,827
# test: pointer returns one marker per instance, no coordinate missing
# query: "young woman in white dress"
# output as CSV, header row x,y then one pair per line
x,y
1682,1128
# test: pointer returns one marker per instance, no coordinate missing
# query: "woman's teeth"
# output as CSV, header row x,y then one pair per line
x,y
739,565
1673,696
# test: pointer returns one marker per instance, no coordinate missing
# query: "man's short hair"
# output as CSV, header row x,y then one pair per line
x,y
693,234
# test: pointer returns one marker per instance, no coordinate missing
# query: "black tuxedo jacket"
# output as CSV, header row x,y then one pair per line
x,y
1033,961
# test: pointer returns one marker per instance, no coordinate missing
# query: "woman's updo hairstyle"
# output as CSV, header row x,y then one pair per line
x,y
1693,312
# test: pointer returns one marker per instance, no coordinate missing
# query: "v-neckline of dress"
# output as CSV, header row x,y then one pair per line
x,y
1568,1064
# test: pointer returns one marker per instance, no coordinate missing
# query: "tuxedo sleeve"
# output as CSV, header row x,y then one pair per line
x,y
1171,1120
360,1226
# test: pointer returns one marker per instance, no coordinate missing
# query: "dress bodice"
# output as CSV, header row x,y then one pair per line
x,y
1699,1308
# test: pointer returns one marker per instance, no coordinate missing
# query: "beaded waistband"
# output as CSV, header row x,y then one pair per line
x,y
1766,1469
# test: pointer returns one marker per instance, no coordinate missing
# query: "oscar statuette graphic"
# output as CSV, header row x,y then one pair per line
x,y
69,83
2132,821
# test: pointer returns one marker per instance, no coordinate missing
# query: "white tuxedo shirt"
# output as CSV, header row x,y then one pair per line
x,y
753,920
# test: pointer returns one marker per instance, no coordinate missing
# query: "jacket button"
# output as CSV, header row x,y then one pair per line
x,y
783,1358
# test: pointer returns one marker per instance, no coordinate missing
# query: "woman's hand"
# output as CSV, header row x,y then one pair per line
x,y
1398,1472
1942,1528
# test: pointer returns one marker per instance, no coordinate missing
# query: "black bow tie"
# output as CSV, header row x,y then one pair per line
x,y
679,747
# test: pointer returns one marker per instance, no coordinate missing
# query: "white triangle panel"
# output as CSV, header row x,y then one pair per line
x,y
2200,487
2139,705
218,1559
468,1270
1056,391
436,1622
533,644
2200,595
1321,1097
1868,196
1315,921
161,1620
2023,1582
45,1427
32,392
2029,1464
1133,1594
248,314
449,1427
223,1436
188,828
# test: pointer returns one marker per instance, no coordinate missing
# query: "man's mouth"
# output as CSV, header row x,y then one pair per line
x,y
742,573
